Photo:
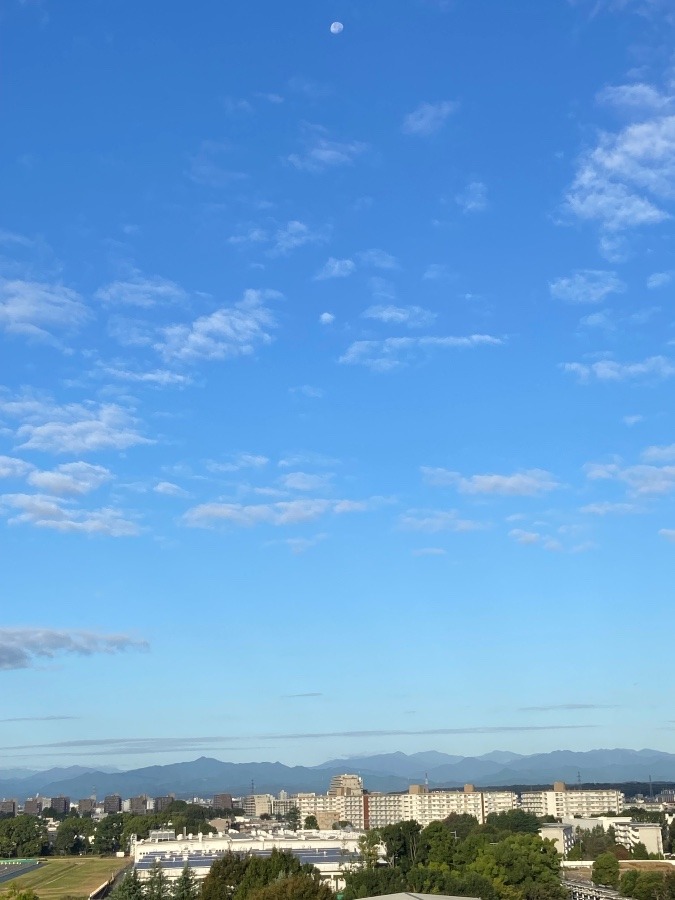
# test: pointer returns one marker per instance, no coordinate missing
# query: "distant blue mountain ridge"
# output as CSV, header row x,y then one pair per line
x,y
380,772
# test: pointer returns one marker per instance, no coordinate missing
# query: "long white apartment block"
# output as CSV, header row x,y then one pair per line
x,y
562,802
424,806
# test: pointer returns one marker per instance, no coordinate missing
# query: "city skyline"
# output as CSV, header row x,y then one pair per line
x,y
336,400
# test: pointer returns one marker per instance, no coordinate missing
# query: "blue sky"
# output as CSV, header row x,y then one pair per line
x,y
336,410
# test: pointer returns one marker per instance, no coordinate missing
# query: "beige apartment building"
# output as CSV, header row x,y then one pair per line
x,y
562,802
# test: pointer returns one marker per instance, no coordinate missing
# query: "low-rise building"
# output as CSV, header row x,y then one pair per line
x,y
562,836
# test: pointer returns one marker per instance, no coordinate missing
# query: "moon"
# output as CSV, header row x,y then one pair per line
x,y
336,27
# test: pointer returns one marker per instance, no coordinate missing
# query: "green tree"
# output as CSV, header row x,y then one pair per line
x,y
402,841
130,888
628,881
639,851
437,843
520,867
72,836
293,818
515,820
606,870
649,886
14,892
261,871
185,887
109,834
461,824
311,823
224,877
295,887
374,882
369,846
23,836
157,885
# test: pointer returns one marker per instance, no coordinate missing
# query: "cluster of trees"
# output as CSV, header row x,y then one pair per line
x,y
505,859
641,885
280,876
23,836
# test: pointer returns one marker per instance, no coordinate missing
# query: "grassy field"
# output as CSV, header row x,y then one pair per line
x,y
73,876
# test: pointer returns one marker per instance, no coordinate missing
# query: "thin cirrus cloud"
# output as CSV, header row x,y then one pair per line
x,y
75,478
378,259
11,467
409,316
431,521
566,707
169,489
428,118
641,479
473,199
289,512
655,368
321,153
519,484
141,291
36,310
392,353
23,648
184,744
587,286
73,427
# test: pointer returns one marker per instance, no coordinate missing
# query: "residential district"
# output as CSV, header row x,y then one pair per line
x,y
335,823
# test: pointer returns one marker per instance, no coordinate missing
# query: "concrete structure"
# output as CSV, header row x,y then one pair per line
x,y
33,806
562,802
406,895
345,786
161,803
430,806
627,833
222,801
586,890
112,804
333,854
138,805
256,805
60,805
86,806
8,807
561,835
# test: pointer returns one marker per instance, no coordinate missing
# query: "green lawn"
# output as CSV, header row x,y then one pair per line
x,y
75,876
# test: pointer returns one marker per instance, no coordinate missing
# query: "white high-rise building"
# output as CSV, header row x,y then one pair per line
x,y
562,802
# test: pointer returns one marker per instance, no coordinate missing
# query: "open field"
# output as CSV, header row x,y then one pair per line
x,y
72,876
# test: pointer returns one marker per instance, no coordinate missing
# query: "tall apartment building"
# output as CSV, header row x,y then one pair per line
x,y
60,805
562,802
161,803
337,808
86,806
33,806
8,807
138,805
345,786
222,801
258,805
112,804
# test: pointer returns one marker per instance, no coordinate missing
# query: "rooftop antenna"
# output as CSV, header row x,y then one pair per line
x,y
426,780
579,778
252,786
651,788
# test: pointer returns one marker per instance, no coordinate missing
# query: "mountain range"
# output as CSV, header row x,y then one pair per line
x,y
381,772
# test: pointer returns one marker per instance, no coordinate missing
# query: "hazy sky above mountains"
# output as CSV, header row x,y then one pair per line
x,y
337,378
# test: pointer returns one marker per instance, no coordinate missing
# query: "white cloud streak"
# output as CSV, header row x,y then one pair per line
x,y
656,368
391,353
587,286
46,511
520,484
290,512
336,268
428,118
36,310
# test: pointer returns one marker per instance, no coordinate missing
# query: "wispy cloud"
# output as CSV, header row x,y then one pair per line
x,y
336,268
301,696
668,534
169,489
22,648
587,286
47,511
656,454
432,521
528,483
11,467
152,745
428,118
567,707
321,153
70,479
238,462
40,719
305,481
429,551
655,368
293,235
641,480
228,332
391,353
659,279
410,316
326,318
289,512
624,181
473,198
37,310
72,428
378,259
211,167
141,291
607,508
